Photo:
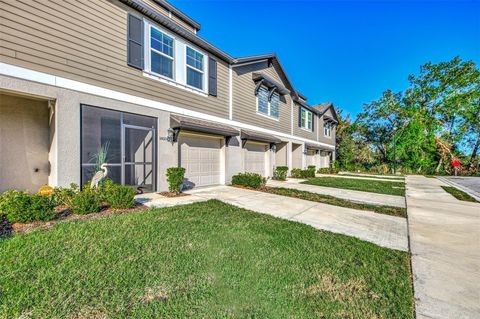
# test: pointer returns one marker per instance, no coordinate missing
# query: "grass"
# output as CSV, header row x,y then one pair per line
x,y
330,200
458,194
204,260
392,177
380,187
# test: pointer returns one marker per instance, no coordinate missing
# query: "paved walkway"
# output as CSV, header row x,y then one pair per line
x,y
351,195
367,178
468,184
445,246
383,230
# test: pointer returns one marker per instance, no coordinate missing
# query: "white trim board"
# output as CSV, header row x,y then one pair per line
x,y
44,78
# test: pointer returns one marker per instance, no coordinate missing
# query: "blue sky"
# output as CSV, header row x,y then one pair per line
x,y
347,52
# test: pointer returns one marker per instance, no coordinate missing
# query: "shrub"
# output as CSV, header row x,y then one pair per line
x,y
328,170
118,196
312,167
22,207
85,202
296,173
302,173
65,196
280,173
253,180
175,176
380,169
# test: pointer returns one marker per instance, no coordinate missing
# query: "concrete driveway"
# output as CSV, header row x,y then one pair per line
x,y
383,230
445,246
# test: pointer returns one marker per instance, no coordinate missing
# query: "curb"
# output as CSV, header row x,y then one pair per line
x,y
460,187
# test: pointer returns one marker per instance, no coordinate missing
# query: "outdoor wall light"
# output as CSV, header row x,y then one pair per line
x,y
170,135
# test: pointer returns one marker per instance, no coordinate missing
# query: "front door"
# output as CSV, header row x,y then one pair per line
x,y
138,158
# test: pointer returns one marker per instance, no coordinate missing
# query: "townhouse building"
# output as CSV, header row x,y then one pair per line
x,y
132,81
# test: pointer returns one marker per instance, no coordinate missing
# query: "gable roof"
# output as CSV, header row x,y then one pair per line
x,y
323,108
270,57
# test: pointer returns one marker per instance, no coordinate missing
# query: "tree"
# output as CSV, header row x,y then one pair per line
x,y
435,119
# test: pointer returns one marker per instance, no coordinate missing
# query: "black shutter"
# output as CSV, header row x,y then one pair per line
x,y
299,116
135,42
212,77
313,122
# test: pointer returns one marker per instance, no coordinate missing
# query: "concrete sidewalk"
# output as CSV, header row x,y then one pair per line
x,y
383,230
445,246
351,195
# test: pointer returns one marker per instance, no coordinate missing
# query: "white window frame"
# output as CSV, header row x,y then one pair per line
x,y
269,108
308,119
194,68
179,61
327,129
150,49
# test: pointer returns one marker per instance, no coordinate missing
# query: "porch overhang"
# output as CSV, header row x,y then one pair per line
x,y
315,147
178,123
247,135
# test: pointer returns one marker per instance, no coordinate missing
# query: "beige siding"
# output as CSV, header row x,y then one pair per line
x,y
86,41
244,100
298,131
322,138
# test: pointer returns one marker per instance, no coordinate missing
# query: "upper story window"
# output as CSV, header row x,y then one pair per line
x,y
306,119
195,72
162,57
267,102
327,129
171,59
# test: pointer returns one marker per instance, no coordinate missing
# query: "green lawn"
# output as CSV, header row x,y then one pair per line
x,y
381,187
204,260
390,177
326,199
459,194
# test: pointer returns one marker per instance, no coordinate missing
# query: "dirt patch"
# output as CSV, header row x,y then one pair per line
x,y
154,294
345,291
64,214
89,313
170,194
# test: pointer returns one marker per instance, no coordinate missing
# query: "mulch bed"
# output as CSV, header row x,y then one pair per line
x,y
63,214
170,194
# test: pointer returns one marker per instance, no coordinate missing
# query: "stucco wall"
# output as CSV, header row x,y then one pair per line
x,y
24,143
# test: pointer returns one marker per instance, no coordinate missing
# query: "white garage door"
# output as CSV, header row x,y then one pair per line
x,y
200,156
311,158
255,157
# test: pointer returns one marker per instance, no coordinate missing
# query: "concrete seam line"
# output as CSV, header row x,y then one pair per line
x,y
410,249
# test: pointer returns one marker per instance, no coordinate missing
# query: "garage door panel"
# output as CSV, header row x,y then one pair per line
x,y
200,156
255,157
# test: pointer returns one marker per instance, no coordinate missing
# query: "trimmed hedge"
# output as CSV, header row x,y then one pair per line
x,y
21,207
253,180
280,173
118,196
86,202
175,176
302,173
328,170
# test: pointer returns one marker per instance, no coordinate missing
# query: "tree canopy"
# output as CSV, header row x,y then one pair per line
x,y
433,122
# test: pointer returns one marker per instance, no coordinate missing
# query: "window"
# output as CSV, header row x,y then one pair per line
x,y
161,46
194,68
327,129
171,59
264,106
307,119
